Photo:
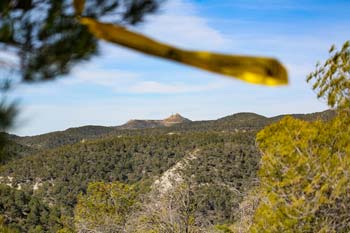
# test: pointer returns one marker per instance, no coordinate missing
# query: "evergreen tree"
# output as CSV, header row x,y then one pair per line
x,y
305,166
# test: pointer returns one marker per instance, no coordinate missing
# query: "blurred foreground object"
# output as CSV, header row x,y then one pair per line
x,y
49,40
257,70
332,79
42,39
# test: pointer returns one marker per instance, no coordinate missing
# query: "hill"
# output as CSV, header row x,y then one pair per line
x,y
174,123
78,134
142,124
60,138
217,158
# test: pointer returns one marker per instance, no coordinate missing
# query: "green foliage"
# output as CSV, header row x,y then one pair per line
x,y
25,213
65,172
8,112
304,177
332,79
6,229
12,150
305,166
65,230
68,137
204,191
49,44
223,173
223,229
105,207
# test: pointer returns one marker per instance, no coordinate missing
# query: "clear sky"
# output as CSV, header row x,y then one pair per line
x,y
122,84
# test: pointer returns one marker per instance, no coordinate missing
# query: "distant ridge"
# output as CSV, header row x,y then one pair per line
x,y
243,116
175,123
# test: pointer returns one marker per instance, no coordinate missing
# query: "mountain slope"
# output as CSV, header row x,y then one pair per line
x,y
66,137
13,151
78,134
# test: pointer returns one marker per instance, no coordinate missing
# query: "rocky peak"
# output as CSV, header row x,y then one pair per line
x,y
141,124
175,119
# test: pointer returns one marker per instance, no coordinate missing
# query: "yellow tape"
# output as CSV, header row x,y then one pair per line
x,y
257,70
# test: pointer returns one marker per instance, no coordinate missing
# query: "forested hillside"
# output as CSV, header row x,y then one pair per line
x,y
13,150
223,169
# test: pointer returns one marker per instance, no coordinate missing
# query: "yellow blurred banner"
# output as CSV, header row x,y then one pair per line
x,y
257,70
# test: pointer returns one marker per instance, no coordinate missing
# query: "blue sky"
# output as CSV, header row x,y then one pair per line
x,y
121,84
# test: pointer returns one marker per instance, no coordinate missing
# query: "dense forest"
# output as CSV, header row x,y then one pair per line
x,y
216,161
